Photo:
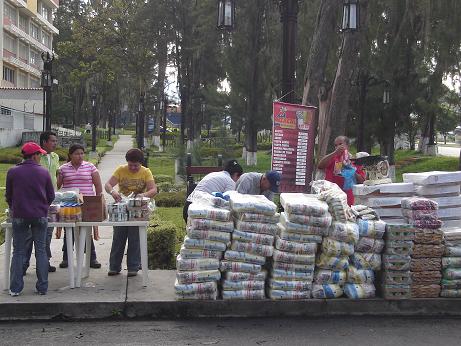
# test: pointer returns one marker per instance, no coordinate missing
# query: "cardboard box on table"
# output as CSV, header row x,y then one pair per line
x,y
94,208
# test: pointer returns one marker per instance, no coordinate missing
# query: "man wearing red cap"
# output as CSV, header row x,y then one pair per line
x,y
29,193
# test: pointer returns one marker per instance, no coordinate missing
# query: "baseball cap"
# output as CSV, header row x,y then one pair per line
x,y
274,178
31,148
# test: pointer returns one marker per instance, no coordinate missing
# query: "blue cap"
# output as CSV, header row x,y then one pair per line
x,y
274,178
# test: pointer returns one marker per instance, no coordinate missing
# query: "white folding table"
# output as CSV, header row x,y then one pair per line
x,y
83,236
8,227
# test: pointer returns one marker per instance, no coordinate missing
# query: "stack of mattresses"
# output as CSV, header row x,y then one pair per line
x,y
255,221
385,199
444,189
426,259
451,263
209,228
302,225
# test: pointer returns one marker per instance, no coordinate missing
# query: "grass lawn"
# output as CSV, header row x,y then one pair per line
x,y
162,163
428,163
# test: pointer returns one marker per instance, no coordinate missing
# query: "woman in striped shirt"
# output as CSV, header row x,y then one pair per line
x,y
77,173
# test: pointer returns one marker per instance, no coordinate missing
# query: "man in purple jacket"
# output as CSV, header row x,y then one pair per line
x,y
29,193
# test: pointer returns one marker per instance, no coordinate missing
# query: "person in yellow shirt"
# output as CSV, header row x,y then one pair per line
x,y
130,178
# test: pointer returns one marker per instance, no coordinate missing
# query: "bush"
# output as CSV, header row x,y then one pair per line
x,y
161,244
170,199
62,152
163,178
164,187
265,146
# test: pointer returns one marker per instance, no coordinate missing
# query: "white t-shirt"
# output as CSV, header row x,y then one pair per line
x,y
214,182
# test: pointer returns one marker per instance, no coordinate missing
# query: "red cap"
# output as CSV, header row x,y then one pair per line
x,y
31,148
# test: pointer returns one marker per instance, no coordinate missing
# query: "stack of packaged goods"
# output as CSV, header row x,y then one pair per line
x,y
451,263
426,262
366,258
396,279
444,189
337,245
209,228
255,221
385,199
302,225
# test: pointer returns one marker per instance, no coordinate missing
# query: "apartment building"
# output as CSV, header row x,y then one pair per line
x,y
27,31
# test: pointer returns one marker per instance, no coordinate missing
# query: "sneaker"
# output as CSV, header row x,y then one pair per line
x,y
51,269
14,294
132,273
113,273
95,265
63,264
40,292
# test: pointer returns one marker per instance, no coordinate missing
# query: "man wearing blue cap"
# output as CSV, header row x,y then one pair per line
x,y
254,183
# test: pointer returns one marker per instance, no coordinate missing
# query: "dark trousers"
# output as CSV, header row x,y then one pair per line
x,y
29,244
185,210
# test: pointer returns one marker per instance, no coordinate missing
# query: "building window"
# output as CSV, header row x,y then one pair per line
x,y
34,58
46,39
23,52
10,13
9,43
44,11
35,31
23,24
5,111
22,80
8,74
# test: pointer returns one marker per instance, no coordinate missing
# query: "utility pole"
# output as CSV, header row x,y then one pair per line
x,y
140,129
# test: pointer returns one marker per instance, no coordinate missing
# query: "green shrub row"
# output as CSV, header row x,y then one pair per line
x,y
170,199
163,178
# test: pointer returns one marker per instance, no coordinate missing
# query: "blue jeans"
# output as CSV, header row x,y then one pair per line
x,y
133,258
64,249
29,244
21,228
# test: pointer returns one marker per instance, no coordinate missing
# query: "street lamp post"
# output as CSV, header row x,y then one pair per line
x,y
289,18
350,15
163,106
140,129
94,120
47,84
226,14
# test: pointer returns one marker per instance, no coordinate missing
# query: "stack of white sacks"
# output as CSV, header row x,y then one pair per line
x,y
209,228
337,245
302,224
444,189
451,263
385,199
255,221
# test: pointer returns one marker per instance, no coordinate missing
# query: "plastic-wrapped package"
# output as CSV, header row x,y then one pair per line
x,y
250,237
399,247
451,262
450,284
241,276
242,285
252,217
424,250
197,296
426,221
335,248
288,257
196,264
366,244
337,202
298,237
396,277
198,276
202,211
300,228
326,291
199,288
454,251
208,199
450,293
203,244
206,224
429,236
280,274
319,186
335,263
371,229
240,267
265,228
295,247
288,295
304,268
426,277
303,204
396,262
426,264
366,260
400,232
360,276
243,294
257,204
317,221
253,248
325,276
419,203
199,253
210,235
452,273
290,285
347,232
240,256
359,291
418,214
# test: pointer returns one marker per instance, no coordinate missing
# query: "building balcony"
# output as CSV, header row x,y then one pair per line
x,y
19,3
53,4
22,35
11,58
44,22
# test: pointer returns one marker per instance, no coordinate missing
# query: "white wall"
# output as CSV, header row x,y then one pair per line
x,y
26,100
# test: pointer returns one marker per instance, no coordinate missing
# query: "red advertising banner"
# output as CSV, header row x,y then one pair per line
x,y
293,136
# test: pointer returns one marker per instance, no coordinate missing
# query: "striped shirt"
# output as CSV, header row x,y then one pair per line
x,y
78,178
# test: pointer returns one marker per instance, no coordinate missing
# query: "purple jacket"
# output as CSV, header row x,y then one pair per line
x,y
29,190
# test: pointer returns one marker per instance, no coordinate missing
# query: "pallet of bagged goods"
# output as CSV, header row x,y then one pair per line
x,y
451,263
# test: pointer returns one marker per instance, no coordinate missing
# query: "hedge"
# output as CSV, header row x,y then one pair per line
x,y
170,199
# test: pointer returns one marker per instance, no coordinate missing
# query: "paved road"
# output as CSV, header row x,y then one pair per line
x,y
236,332
448,151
